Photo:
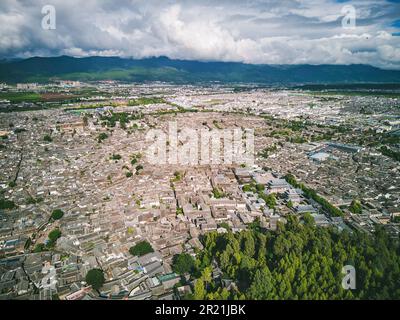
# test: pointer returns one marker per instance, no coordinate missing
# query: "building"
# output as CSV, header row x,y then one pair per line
x,y
321,157
278,186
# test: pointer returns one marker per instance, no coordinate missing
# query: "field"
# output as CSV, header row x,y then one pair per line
x,y
17,97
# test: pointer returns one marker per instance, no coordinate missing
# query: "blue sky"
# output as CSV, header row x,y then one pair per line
x,y
259,31
395,24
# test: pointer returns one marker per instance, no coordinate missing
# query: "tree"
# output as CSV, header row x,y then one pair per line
x,y
355,207
7,204
177,176
28,243
260,187
57,214
248,188
141,248
271,201
12,184
262,286
39,248
308,219
183,263
47,138
95,278
129,174
206,275
199,290
248,244
224,225
115,157
53,236
218,193
102,136
299,261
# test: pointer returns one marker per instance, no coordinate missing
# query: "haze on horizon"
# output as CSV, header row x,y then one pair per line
x,y
258,32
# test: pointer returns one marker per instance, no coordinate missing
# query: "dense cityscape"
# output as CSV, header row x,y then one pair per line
x,y
85,214
191,159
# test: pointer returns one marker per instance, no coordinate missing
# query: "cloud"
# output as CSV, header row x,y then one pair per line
x,y
260,31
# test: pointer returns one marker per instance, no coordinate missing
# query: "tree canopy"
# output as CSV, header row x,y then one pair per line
x,y
53,236
95,278
355,207
141,248
57,214
47,138
183,263
102,136
299,261
7,204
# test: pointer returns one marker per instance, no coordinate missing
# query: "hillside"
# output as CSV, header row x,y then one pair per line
x,y
183,71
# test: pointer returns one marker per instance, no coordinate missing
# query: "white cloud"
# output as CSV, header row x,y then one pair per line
x,y
267,31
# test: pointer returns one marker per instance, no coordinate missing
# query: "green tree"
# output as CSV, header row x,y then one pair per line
x,y
12,184
262,287
271,201
53,236
47,138
218,193
7,204
224,225
308,219
300,261
102,136
260,187
57,214
39,248
183,263
141,248
199,290
206,275
248,244
355,207
95,278
115,157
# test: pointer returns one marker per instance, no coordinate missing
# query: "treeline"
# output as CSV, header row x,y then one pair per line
x,y
122,117
312,194
390,153
7,204
297,261
146,100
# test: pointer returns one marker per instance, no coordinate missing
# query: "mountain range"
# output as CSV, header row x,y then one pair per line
x,y
43,69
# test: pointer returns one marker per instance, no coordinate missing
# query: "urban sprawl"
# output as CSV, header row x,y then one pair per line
x,y
78,192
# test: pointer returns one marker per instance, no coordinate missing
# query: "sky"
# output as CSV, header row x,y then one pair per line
x,y
257,32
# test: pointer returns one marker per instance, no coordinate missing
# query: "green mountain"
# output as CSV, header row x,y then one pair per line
x,y
183,71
